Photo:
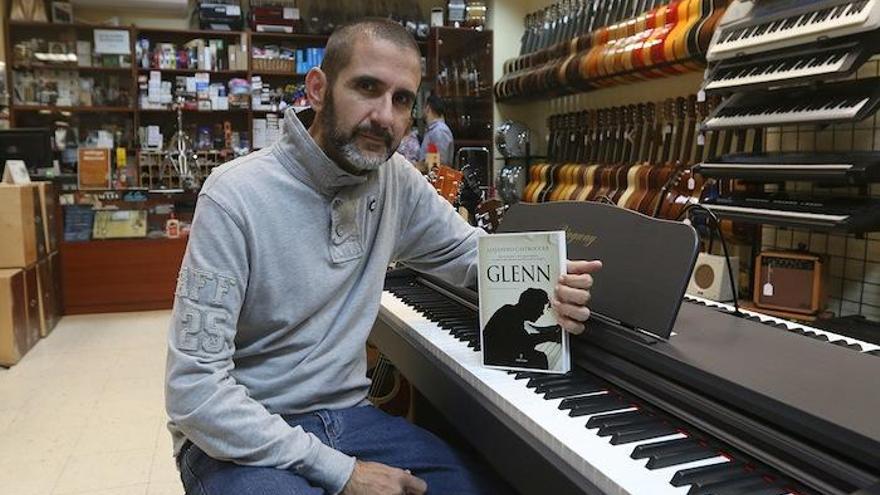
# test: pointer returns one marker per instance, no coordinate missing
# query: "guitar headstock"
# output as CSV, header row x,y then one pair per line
x,y
667,112
679,109
650,112
447,181
690,108
640,113
702,110
489,213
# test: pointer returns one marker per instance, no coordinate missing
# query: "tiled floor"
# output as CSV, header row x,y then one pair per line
x,y
83,412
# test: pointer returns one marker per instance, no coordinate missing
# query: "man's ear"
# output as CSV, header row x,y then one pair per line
x,y
316,88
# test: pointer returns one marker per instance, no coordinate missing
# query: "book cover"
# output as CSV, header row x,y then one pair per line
x,y
518,275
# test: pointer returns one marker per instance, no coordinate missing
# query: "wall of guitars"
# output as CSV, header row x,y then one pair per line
x,y
777,135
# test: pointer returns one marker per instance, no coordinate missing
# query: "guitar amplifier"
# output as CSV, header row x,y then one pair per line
x,y
711,279
792,282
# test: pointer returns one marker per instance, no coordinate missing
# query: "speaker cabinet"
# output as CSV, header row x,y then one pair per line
x,y
711,280
792,282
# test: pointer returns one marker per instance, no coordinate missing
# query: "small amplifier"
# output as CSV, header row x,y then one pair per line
x,y
792,282
711,280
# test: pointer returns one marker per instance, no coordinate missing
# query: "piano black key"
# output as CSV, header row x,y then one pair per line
x,y
704,475
647,450
606,429
641,432
571,390
695,453
843,343
739,486
550,378
769,490
601,403
522,375
560,384
618,418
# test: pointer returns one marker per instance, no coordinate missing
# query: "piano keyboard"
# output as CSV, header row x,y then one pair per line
x,y
857,345
822,167
836,213
846,101
841,108
785,68
824,20
621,444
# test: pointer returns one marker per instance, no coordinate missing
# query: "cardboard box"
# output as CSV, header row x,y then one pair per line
x,y
21,223
48,300
47,208
55,273
32,296
15,332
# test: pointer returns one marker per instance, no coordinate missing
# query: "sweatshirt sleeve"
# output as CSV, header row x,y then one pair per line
x,y
433,238
202,398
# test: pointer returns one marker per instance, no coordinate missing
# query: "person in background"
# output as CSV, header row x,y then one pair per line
x,y
438,132
409,146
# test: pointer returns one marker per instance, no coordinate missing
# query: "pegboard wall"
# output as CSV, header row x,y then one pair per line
x,y
853,261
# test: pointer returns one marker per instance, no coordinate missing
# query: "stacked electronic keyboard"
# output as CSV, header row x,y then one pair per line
x,y
783,63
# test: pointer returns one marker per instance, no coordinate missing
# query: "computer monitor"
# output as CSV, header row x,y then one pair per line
x,y
32,145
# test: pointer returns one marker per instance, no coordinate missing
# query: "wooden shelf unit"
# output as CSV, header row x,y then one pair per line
x,y
140,274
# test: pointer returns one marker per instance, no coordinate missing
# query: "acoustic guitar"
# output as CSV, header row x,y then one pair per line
x,y
389,390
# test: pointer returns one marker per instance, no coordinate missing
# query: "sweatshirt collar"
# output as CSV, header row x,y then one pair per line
x,y
303,158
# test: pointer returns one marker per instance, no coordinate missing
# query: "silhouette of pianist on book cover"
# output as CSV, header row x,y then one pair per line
x,y
507,342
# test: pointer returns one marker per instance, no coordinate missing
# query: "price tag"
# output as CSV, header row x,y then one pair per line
x,y
692,184
667,128
572,138
701,96
768,289
701,139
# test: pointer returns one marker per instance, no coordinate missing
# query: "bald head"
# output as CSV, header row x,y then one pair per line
x,y
341,44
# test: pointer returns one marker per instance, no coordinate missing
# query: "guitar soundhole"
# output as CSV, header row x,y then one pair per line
x,y
383,386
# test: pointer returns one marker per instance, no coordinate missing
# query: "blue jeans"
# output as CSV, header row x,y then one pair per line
x,y
366,433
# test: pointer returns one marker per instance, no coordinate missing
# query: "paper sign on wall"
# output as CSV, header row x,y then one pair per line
x,y
93,168
16,172
112,42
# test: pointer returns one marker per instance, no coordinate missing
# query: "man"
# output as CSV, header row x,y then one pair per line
x,y
506,341
438,132
409,146
266,375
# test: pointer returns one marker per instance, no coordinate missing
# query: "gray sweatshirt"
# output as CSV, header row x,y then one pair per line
x,y
278,291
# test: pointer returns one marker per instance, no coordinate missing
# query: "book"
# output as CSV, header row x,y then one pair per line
x,y
518,275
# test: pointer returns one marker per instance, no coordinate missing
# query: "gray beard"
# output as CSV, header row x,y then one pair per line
x,y
358,160
344,148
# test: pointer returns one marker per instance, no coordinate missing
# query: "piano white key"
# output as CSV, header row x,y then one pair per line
x,y
780,118
848,22
609,466
827,68
765,318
